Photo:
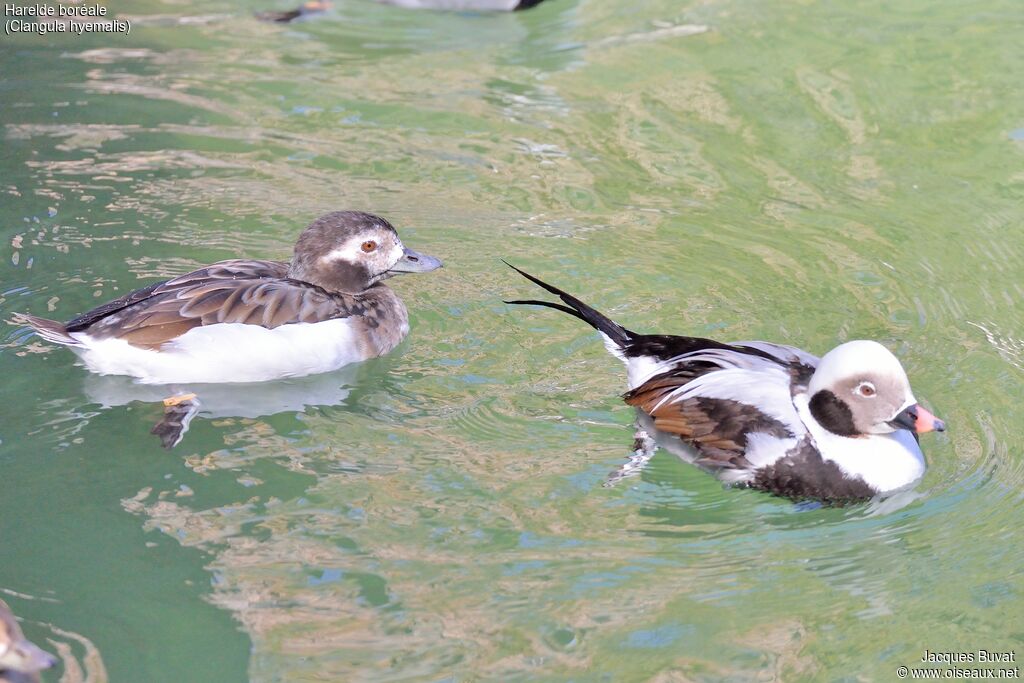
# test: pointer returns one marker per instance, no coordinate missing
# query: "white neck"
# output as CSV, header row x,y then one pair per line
x,y
886,462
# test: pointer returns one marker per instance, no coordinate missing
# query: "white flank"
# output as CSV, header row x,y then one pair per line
x,y
639,369
886,462
232,352
764,449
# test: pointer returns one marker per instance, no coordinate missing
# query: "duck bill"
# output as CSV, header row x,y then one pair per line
x,y
918,420
415,262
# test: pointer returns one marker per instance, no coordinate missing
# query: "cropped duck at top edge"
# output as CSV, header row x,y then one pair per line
x,y
253,320
313,7
835,429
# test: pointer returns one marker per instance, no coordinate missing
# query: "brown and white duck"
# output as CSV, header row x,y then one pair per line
x,y
772,417
250,320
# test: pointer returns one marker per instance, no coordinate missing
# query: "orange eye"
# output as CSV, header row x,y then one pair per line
x,y
369,246
866,389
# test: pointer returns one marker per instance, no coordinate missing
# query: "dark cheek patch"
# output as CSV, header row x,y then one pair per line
x,y
349,277
832,414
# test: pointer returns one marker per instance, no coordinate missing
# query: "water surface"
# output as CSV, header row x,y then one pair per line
x,y
800,172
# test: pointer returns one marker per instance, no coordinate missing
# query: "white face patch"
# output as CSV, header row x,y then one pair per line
x,y
352,249
383,257
397,252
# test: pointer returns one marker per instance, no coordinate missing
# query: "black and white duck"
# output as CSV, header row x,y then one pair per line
x,y
836,429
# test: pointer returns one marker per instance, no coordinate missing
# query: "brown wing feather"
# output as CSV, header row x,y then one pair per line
x,y
153,336
716,428
249,292
208,303
224,270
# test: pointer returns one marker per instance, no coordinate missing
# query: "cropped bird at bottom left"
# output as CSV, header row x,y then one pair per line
x,y
21,660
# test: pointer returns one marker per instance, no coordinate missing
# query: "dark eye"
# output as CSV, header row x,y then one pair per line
x,y
866,389
369,245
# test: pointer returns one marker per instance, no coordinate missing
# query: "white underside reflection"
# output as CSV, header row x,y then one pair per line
x,y
184,402
257,399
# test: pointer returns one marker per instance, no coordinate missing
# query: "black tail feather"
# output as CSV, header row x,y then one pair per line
x,y
576,308
558,307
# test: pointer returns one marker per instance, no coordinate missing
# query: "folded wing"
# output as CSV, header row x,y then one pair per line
x,y
241,291
731,402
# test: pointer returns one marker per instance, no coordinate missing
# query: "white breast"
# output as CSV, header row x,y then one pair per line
x,y
886,462
229,352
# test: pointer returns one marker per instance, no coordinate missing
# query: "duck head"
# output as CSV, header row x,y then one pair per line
x,y
860,388
350,251
17,653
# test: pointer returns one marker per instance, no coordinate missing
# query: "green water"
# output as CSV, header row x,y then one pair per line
x,y
803,172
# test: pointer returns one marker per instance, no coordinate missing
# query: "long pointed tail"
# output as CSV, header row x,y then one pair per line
x,y
50,330
616,333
